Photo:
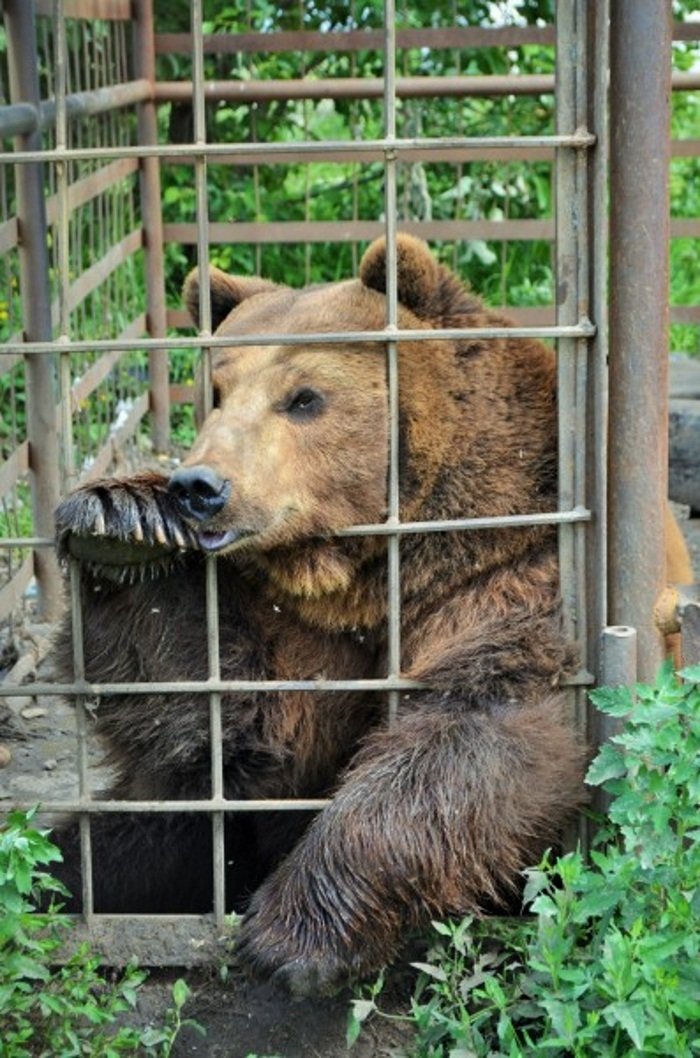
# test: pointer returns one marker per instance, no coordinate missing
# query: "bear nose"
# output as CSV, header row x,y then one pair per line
x,y
199,491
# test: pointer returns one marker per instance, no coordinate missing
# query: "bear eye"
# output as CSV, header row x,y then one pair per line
x,y
216,397
304,404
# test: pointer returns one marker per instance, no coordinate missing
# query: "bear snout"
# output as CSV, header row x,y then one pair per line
x,y
199,491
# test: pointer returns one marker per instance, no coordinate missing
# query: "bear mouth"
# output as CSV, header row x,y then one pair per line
x,y
211,541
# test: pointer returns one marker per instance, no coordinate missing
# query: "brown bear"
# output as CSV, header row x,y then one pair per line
x,y
432,815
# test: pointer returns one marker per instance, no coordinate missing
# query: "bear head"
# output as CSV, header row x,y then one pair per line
x,y
296,446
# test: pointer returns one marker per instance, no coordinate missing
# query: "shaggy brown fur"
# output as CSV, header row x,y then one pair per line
x,y
436,815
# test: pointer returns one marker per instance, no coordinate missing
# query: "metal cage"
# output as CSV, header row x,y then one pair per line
x,y
107,80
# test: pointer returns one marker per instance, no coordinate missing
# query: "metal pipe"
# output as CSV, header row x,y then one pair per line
x,y
21,119
35,292
152,222
640,73
580,678
597,403
581,140
469,87
580,330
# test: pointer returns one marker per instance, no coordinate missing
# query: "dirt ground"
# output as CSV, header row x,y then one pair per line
x,y
242,1019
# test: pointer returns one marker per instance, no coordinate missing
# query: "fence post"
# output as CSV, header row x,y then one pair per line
x,y
640,87
152,222
35,292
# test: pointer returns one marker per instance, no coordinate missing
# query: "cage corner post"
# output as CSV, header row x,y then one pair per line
x,y
640,89
152,224
35,293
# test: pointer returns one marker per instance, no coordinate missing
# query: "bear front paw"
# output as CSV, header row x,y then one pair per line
x,y
282,954
118,528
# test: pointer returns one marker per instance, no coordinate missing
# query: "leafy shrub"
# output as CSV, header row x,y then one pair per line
x,y
608,964
68,1010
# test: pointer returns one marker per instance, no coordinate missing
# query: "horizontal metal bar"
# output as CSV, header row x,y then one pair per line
x,y
211,805
584,329
451,37
579,140
27,541
505,521
82,687
450,87
456,87
20,119
295,231
119,10
355,40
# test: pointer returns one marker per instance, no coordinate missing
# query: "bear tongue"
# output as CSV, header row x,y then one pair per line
x,y
214,541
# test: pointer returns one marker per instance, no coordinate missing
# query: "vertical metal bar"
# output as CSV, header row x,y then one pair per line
x,y
152,221
35,291
596,560
571,296
205,323
69,470
82,738
572,283
393,555
640,86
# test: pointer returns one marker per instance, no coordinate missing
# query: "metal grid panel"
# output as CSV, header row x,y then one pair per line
x,y
572,333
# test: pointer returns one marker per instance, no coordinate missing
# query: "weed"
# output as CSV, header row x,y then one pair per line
x,y
71,1009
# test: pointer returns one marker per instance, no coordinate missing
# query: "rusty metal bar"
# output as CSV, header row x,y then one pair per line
x,y
98,372
579,140
12,592
356,40
89,187
152,221
359,230
42,427
640,69
367,39
119,10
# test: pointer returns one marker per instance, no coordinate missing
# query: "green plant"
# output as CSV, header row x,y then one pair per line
x,y
71,1009
608,963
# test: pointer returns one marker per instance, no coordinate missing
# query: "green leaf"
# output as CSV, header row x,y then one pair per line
x,y
631,1018
181,993
431,970
609,764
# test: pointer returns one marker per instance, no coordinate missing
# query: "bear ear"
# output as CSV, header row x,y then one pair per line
x,y
225,292
417,272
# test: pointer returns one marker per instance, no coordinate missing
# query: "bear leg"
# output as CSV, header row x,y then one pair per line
x,y
437,817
